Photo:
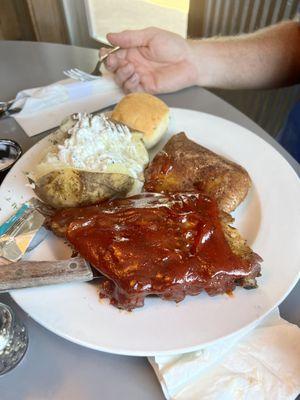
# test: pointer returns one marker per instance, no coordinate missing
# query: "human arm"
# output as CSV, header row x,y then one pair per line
x,y
158,61
268,58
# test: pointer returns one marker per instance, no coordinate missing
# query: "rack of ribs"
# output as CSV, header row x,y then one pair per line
x,y
168,245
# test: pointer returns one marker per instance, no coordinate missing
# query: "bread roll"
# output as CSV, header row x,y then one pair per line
x,y
144,113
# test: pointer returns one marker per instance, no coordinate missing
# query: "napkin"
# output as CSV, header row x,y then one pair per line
x,y
44,108
261,364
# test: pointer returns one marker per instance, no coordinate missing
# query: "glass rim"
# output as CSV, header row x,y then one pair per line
x,y
10,323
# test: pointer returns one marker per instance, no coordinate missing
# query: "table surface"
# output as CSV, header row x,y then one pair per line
x,y
54,368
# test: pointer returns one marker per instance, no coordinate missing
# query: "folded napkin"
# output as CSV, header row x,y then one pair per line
x,y
44,108
261,364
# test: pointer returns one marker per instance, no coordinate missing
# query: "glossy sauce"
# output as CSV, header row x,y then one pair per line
x,y
168,245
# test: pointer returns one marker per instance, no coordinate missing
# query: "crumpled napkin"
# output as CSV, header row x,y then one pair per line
x,y
262,364
44,108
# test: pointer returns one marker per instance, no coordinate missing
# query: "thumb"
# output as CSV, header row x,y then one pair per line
x,y
132,38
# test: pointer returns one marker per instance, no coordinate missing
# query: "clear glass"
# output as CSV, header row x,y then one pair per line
x,y
13,339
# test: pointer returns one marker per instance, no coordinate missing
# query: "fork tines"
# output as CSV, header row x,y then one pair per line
x,y
119,127
78,74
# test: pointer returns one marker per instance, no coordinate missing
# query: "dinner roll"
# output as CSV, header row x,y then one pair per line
x,y
144,113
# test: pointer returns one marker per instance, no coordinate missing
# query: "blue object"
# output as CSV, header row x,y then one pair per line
x,y
289,136
7,224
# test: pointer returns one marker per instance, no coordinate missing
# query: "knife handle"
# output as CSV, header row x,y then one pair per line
x,y
24,274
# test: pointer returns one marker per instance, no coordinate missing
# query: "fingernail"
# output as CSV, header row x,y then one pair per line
x,y
110,62
128,67
134,77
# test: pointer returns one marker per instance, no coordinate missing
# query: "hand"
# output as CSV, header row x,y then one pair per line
x,y
151,60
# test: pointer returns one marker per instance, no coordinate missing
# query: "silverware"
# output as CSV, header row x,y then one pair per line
x,y
78,74
4,105
121,128
23,274
5,108
21,233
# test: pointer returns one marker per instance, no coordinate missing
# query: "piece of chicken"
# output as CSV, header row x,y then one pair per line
x,y
184,165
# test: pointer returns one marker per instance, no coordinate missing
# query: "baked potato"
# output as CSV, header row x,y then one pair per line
x,y
71,188
81,169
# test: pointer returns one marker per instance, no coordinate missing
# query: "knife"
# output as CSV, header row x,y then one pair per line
x,y
23,274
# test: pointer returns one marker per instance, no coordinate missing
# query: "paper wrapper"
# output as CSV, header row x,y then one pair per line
x,y
18,231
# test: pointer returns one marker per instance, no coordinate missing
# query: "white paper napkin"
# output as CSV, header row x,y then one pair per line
x,y
263,364
45,107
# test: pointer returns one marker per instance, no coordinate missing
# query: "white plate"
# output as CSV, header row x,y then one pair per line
x,y
269,219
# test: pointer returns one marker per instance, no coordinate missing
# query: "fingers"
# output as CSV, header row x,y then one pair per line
x,y
121,53
127,78
123,73
132,38
103,51
133,84
115,60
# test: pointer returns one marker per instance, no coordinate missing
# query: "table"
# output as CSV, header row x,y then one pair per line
x,y
54,368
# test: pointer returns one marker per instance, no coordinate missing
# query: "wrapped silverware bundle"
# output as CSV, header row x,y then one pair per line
x,y
20,234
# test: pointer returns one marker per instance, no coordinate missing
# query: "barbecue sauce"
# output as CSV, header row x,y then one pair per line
x,y
167,245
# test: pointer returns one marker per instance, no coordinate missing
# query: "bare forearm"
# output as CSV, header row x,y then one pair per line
x,y
265,59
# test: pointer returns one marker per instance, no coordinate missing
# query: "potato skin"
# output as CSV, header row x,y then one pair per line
x,y
72,188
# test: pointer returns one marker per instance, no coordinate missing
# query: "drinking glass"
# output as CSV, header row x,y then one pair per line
x,y
13,339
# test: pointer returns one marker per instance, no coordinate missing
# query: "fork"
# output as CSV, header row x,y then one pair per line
x,y
75,73
5,108
121,128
